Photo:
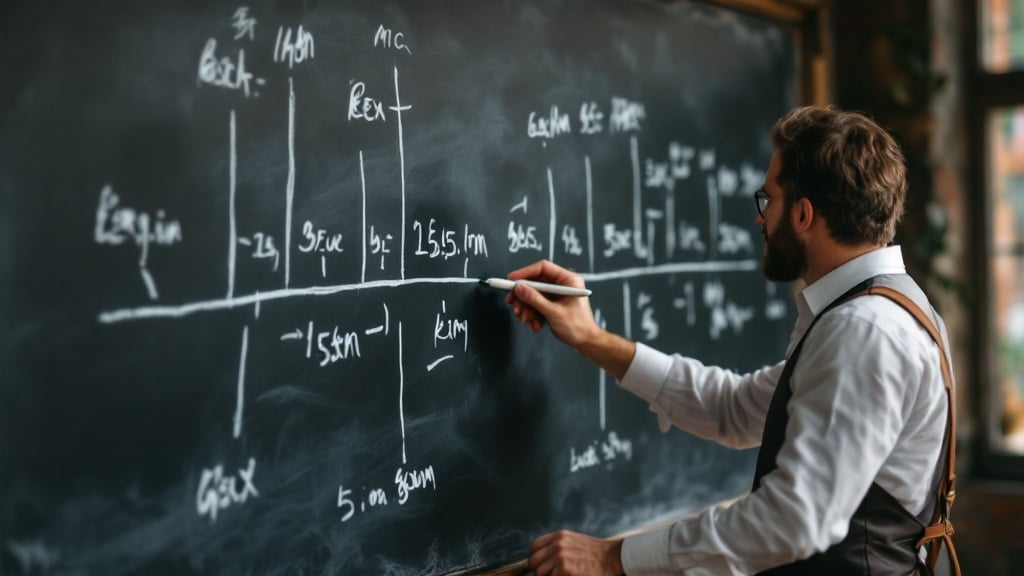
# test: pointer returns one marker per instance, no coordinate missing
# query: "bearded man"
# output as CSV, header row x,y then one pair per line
x,y
855,469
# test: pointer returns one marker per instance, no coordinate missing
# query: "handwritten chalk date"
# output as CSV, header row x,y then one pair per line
x,y
435,240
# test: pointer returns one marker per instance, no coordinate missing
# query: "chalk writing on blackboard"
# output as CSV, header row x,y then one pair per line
x,y
275,235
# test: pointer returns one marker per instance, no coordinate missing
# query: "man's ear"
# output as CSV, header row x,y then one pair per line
x,y
802,214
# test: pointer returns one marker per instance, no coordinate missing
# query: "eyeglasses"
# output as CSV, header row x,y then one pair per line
x,y
761,199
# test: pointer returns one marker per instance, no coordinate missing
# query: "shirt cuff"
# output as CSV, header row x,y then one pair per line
x,y
647,373
647,553
646,378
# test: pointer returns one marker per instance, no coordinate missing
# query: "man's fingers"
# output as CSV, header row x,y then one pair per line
x,y
542,554
558,275
535,308
528,271
546,271
527,315
542,561
535,299
542,541
547,568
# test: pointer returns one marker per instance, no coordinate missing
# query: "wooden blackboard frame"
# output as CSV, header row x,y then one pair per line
x,y
808,19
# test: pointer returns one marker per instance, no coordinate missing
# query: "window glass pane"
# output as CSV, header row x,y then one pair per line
x,y
1006,194
1002,35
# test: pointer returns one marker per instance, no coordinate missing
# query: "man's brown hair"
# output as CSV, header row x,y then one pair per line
x,y
850,169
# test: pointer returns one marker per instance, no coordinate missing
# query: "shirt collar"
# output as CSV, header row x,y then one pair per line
x,y
888,260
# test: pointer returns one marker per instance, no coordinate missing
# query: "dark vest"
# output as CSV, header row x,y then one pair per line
x,y
883,535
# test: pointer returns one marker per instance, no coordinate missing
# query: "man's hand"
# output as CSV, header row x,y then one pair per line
x,y
569,317
565,553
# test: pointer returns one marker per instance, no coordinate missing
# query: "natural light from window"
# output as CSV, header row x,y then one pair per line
x,y
1006,196
1002,35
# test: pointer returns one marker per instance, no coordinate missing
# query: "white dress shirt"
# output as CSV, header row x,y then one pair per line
x,y
868,405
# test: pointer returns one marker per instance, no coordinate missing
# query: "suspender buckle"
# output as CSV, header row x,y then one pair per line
x,y
949,528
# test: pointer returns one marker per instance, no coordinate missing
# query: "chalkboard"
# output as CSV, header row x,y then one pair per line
x,y
239,252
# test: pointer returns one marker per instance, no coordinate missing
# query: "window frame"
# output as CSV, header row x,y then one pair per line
x,y
986,92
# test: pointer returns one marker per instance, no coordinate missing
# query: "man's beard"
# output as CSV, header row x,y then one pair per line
x,y
785,258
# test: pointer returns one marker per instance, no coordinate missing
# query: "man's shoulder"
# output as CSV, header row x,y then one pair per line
x,y
883,316
903,283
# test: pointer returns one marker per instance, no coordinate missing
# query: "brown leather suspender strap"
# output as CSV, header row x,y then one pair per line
x,y
940,531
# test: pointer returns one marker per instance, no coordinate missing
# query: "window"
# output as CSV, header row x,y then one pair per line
x,y
998,118
1002,35
1006,271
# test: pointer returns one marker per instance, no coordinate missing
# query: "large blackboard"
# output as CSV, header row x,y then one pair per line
x,y
239,244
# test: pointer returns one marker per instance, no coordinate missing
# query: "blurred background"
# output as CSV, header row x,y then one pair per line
x,y
946,77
